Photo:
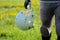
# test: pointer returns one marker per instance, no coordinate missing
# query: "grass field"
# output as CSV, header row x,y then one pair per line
x,y
8,29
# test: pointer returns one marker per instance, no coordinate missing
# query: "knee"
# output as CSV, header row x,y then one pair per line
x,y
46,23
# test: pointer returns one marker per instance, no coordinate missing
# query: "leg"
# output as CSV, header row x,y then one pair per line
x,y
57,15
47,12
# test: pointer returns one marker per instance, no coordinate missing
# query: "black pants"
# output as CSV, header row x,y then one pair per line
x,y
48,10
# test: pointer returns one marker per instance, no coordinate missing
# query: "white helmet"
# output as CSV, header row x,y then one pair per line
x,y
24,21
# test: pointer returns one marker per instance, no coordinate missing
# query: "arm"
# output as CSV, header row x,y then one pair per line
x,y
26,3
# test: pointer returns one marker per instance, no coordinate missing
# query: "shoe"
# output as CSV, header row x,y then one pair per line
x,y
46,38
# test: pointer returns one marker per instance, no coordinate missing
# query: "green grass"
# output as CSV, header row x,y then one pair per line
x,y
8,28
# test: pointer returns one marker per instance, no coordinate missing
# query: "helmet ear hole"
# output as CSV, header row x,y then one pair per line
x,y
32,15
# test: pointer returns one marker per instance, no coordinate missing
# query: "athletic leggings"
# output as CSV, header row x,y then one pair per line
x,y
47,11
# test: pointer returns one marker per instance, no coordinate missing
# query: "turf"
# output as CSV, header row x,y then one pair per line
x,y
9,30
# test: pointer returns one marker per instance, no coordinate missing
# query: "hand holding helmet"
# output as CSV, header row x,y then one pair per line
x,y
26,3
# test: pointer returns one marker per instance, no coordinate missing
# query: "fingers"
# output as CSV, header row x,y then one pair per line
x,y
26,3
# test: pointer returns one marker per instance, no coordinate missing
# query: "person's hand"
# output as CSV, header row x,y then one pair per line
x,y
26,3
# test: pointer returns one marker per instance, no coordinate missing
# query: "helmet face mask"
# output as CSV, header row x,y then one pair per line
x,y
25,21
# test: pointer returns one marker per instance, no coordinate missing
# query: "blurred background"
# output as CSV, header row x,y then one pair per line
x,y
8,29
